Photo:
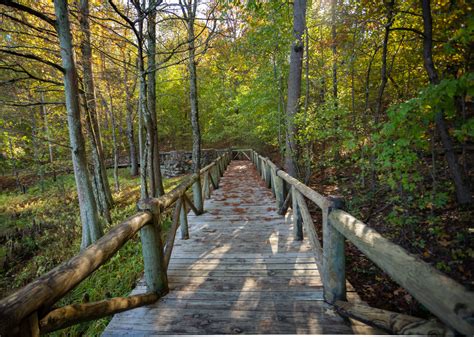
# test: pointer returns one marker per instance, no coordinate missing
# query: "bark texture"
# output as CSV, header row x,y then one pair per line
x,y
294,83
91,230
155,174
100,181
463,192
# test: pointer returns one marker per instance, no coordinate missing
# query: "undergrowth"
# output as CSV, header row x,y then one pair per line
x,y
41,229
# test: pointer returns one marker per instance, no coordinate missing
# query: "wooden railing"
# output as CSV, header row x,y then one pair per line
x,y
445,298
29,312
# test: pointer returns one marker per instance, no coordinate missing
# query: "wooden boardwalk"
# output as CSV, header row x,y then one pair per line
x,y
240,272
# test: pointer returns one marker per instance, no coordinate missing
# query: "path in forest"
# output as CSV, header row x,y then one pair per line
x,y
241,271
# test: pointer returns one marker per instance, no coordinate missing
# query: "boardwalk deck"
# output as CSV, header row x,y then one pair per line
x,y
240,272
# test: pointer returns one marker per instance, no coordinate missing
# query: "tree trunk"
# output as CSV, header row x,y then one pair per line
x,y
36,149
462,190
294,84
157,181
130,128
88,210
48,135
383,83
190,11
102,190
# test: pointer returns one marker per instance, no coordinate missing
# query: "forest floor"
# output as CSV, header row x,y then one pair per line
x,y
40,229
440,236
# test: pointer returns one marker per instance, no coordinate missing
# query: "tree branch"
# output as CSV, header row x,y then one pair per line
x,y
23,8
33,57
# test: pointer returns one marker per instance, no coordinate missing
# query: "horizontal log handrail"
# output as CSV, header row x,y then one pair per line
x,y
448,300
76,313
28,309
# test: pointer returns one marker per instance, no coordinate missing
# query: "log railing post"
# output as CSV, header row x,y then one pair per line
x,y
183,220
268,174
215,175
29,326
152,249
334,265
297,218
279,190
273,179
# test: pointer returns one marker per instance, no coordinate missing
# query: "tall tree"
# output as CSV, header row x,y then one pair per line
x,y
100,181
189,8
294,83
91,230
155,169
463,193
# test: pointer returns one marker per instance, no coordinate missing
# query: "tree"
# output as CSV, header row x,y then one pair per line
x,y
101,185
91,230
155,170
462,190
188,8
294,84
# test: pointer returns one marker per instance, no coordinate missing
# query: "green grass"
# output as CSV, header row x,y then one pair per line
x,y
36,251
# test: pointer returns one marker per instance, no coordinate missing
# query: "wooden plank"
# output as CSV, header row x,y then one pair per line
x,y
440,294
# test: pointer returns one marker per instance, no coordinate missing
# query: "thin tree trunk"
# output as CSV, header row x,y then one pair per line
x,y
36,148
102,191
334,51
130,128
383,83
366,107
462,190
189,11
294,84
110,110
142,135
14,170
157,181
334,78
88,209
48,135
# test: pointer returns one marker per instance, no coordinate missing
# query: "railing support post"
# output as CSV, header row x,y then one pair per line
x,y
215,173
279,190
152,250
197,195
268,175
297,218
183,220
334,264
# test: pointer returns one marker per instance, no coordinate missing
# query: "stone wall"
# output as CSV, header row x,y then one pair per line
x,y
175,163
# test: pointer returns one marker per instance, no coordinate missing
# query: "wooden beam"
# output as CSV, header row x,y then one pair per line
x,y
392,322
49,288
444,297
309,193
172,232
183,221
190,204
310,230
76,313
